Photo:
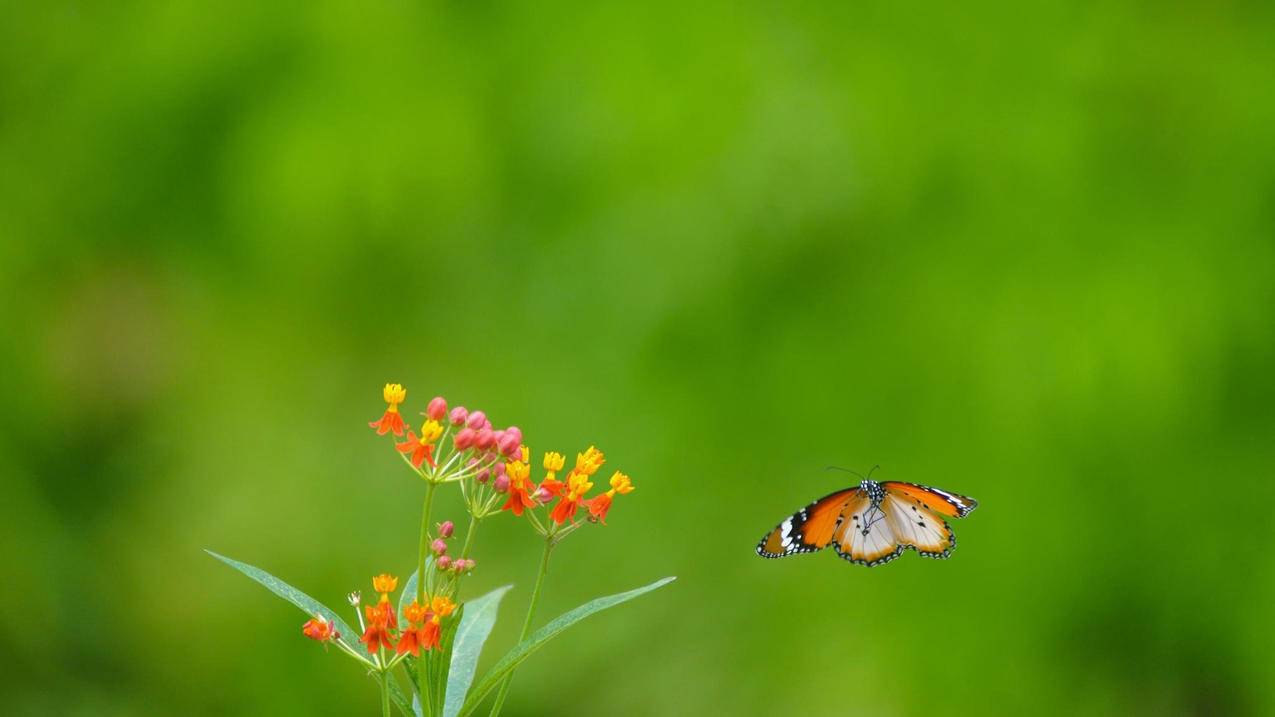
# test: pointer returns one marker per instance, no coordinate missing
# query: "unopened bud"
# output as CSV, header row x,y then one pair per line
x,y
446,528
437,408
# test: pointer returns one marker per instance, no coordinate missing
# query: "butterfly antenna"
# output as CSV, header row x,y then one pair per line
x,y
847,470
874,470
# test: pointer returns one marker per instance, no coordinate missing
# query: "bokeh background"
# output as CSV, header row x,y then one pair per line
x,y
1019,252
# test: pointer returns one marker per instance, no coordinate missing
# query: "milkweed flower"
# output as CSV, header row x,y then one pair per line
x,y
422,449
394,394
385,584
599,506
437,408
440,608
577,484
518,475
377,634
320,629
412,637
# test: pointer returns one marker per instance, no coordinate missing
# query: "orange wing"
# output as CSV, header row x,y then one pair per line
x,y
809,529
937,500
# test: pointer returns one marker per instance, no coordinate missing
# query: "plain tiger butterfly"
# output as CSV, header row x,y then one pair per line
x,y
872,524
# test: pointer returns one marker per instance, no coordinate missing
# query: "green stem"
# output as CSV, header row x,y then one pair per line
x,y
422,673
385,693
420,561
526,623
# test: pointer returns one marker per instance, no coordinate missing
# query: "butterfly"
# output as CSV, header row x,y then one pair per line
x,y
872,524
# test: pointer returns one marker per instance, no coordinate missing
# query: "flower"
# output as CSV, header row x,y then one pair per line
x,y
590,461
439,546
599,506
377,634
412,638
577,485
459,415
318,628
476,420
446,529
354,598
391,421
551,487
422,450
519,483
385,584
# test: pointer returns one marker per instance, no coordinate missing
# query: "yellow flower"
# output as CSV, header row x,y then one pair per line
x,y
554,461
590,461
442,606
621,484
431,431
384,584
394,394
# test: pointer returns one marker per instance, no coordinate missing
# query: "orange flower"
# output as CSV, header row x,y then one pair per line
x,y
440,608
377,634
394,394
551,485
519,484
599,506
423,449
413,638
385,584
577,485
320,629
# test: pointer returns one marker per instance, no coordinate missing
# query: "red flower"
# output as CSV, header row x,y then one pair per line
x,y
422,449
394,394
599,506
519,484
319,629
377,634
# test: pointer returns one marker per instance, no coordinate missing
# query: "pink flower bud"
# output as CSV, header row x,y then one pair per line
x,y
543,495
485,438
501,484
443,562
487,423
514,431
446,528
437,408
476,420
482,475
464,565
509,445
464,438
459,415
439,546
500,468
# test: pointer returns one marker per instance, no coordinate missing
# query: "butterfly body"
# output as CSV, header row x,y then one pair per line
x,y
872,524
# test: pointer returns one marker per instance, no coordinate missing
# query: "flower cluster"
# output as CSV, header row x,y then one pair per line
x,y
492,467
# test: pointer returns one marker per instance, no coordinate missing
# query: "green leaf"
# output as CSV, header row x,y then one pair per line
x,y
475,626
399,698
307,604
523,650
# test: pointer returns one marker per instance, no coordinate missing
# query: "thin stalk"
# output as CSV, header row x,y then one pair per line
x,y
385,693
422,676
526,623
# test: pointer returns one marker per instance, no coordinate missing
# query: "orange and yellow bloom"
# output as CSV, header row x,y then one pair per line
x,y
599,506
320,629
577,484
391,420
422,449
519,486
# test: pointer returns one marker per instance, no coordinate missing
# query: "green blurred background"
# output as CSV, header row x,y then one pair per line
x,y
1019,252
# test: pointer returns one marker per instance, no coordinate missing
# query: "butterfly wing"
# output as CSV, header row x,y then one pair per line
x,y
866,536
811,528
937,500
915,526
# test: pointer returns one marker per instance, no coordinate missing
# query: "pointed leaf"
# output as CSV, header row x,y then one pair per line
x,y
307,604
475,626
523,650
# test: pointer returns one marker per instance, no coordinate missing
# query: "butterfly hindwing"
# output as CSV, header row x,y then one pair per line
x,y
866,536
809,529
916,526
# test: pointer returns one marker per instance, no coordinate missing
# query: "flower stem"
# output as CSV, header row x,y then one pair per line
x,y
526,623
422,672
420,562
385,693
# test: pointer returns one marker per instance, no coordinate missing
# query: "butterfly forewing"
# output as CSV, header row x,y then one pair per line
x,y
810,528
940,501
